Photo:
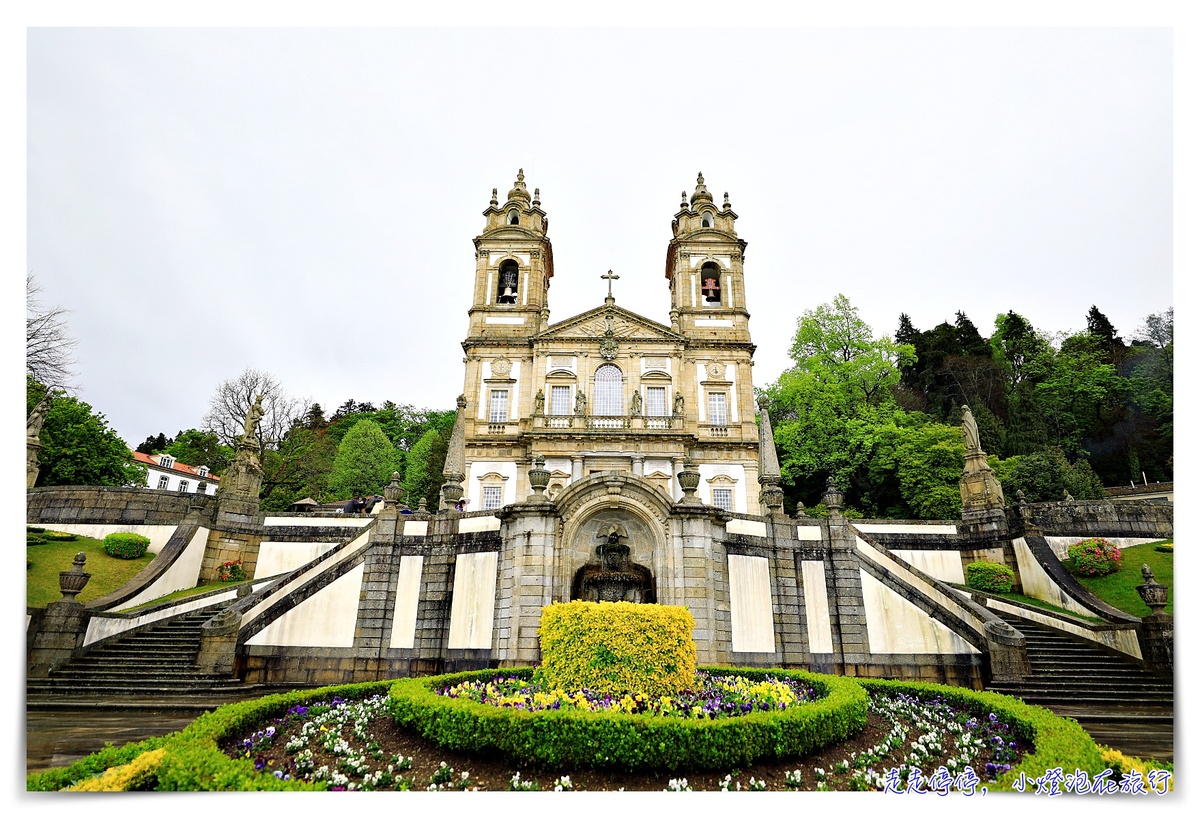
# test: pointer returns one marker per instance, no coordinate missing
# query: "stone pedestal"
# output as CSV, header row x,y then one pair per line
x,y
56,637
1156,637
32,448
979,487
218,644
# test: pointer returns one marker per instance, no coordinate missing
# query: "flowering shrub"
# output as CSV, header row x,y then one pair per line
x,y
125,545
711,697
231,571
990,576
1095,557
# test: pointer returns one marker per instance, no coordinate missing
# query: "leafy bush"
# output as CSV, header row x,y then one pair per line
x,y
60,536
618,647
622,740
231,571
1165,548
139,774
125,545
990,576
1095,557
33,529
35,539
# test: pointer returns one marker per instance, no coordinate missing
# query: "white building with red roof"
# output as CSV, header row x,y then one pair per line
x,y
166,473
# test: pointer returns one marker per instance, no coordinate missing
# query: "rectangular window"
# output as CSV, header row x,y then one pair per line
x,y
498,411
716,409
183,486
493,496
560,400
723,499
163,480
656,401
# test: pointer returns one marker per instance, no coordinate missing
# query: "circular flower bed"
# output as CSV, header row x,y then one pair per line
x,y
719,725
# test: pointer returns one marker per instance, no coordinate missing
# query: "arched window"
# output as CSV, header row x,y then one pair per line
x,y
506,286
706,220
607,399
513,218
710,282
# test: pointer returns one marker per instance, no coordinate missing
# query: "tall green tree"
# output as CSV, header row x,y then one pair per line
x,y
79,448
197,448
364,462
423,473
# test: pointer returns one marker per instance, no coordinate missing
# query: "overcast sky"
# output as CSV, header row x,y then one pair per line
x,y
303,201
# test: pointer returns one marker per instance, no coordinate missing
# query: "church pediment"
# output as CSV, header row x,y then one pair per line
x,y
595,323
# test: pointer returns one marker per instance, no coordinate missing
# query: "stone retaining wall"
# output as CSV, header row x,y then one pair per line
x,y
107,504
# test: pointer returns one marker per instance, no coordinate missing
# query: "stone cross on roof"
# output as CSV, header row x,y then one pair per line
x,y
610,278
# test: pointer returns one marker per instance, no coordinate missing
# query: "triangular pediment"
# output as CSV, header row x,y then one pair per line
x,y
593,324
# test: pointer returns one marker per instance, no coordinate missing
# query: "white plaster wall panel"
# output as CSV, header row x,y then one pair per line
x,y
1123,640
943,565
816,607
346,520
158,534
102,627
284,557
343,553
750,604
468,525
514,391
808,533
895,625
416,528
324,620
408,593
951,600
473,604
184,572
1035,582
905,528
753,528
1059,545
702,399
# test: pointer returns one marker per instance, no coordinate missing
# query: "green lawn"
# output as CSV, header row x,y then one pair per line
x,y
1120,589
108,573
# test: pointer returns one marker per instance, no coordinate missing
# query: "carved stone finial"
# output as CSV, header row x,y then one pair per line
x,y
72,582
726,207
392,491
495,193
833,498
537,196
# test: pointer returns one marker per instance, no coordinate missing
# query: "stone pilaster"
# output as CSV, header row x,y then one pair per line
x,y
528,561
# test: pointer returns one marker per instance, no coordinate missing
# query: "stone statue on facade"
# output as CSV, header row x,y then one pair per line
x,y
981,492
539,402
580,403
635,404
678,404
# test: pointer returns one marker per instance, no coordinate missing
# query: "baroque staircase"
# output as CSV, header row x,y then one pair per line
x,y
1118,702
155,663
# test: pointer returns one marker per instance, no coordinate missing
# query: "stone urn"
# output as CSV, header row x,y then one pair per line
x,y
72,582
539,477
689,479
1152,593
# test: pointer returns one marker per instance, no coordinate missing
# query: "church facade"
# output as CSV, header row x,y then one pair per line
x,y
609,390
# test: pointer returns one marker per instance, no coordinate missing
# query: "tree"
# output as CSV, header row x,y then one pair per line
x,y
197,448
49,348
423,470
1158,328
155,444
364,462
78,446
232,400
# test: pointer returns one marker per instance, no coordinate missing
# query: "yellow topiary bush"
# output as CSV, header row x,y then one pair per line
x,y
136,775
1122,765
618,647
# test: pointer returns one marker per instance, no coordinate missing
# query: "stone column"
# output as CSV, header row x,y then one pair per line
x,y
638,466
847,609
1007,653
576,468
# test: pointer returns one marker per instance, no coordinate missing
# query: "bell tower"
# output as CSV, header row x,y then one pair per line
x,y
704,268
513,266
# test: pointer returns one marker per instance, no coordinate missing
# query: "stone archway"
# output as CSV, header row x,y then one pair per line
x,y
594,507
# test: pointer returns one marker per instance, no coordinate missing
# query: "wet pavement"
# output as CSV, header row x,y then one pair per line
x,y
59,736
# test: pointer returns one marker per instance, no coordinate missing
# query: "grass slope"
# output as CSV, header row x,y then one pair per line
x,y
1120,589
108,573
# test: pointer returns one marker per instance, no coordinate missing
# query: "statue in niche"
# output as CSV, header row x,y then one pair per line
x,y
970,429
635,404
678,404
539,402
580,403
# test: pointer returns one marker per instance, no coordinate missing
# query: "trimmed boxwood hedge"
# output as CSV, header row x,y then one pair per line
x,y
576,738
193,761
